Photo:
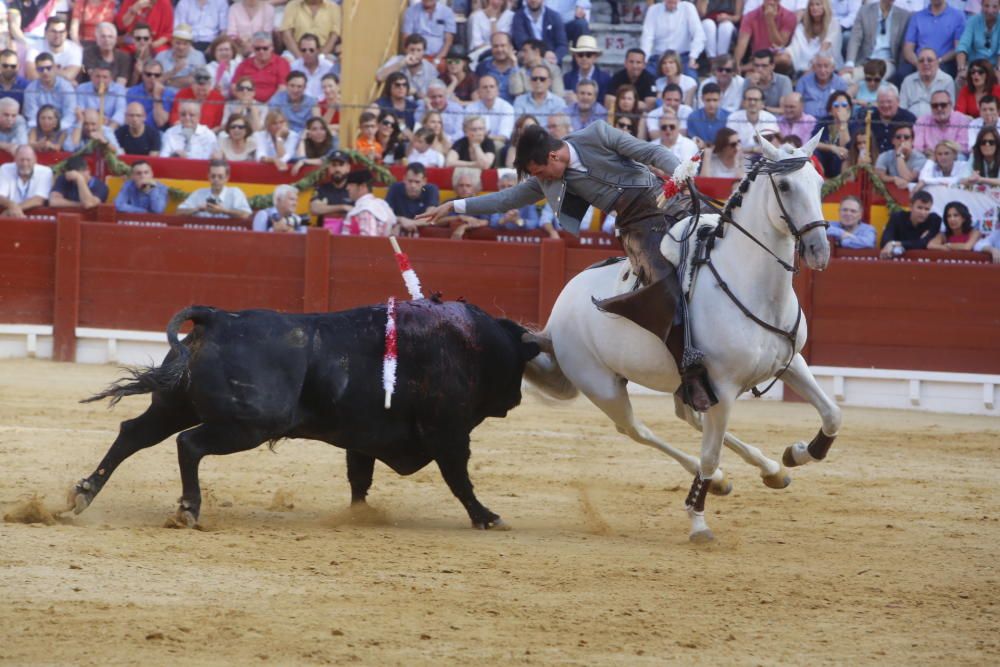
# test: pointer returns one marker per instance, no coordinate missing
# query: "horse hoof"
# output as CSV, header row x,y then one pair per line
x,y
702,536
80,497
778,480
720,487
796,455
495,524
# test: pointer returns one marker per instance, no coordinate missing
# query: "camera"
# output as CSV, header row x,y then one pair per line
x,y
213,200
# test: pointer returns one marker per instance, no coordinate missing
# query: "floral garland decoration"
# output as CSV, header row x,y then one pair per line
x,y
831,185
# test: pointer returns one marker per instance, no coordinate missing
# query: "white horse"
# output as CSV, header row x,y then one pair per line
x,y
739,306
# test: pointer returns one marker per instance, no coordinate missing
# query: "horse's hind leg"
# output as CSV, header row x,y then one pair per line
x,y
800,378
772,472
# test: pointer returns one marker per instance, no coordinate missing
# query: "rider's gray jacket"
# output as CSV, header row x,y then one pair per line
x,y
613,161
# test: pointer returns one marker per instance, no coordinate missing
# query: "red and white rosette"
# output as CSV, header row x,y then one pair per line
x,y
685,171
390,357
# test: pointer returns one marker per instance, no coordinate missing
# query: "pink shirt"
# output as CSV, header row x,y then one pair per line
x,y
241,25
755,25
927,133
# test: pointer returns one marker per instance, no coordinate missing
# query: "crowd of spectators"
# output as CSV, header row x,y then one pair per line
x,y
907,86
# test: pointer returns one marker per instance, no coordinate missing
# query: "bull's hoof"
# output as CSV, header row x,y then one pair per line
x,y
80,496
492,524
720,487
703,536
797,455
778,480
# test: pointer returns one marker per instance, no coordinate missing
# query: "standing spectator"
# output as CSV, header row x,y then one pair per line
x,y
180,60
475,149
330,199
190,139
944,167
418,71
719,19
670,71
585,55
136,136
774,86
276,143
157,15
729,83
207,18
222,63
850,231
837,139
536,21
958,233
76,187
281,217
86,16
461,82
982,81
141,193
236,143
103,52
13,129
575,15
396,99
724,157
49,89
154,96
47,135
435,22
636,74
88,127
942,123
24,184
103,94
751,119
293,103
421,150
313,64
68,56
245,105
412,196
672,139
987,119
673,25
671,97
540,102
901,164
246,18
531,55
980,38
451,112
889,116
218,200
586,109
794,122
497,112
501,64
210,100
370,215
877,35
139,45
12,84
817,86
910,230
267,71
705,122
768,28
493,17
818,30
938,28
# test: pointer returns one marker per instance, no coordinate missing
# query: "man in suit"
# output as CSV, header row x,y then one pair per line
x,y
536,21
606,168
877,34
585,55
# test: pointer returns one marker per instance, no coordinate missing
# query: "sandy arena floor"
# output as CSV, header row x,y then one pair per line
x,y
886,553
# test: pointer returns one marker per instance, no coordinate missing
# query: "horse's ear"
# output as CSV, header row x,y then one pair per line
x,y
767,149
810,146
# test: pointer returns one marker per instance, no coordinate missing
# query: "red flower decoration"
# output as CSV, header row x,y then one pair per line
x,y
670,189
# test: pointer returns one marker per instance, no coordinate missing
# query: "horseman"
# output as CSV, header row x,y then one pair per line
x,y
609,169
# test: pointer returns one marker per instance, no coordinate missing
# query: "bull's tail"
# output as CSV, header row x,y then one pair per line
x,y
166,377
544,374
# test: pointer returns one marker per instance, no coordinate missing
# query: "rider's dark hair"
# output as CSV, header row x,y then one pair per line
x,y
534,147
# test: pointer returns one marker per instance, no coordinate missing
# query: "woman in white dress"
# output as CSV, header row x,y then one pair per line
x,y
817,32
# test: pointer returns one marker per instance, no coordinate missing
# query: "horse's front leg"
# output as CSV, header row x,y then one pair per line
x,y
713,431
800,378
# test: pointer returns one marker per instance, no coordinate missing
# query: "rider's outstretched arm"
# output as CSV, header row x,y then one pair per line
x,y
644,152
523,194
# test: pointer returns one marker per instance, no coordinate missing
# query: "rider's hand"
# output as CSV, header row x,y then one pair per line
x,y
434,214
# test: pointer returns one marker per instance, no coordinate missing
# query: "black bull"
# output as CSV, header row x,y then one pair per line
x,y
241,379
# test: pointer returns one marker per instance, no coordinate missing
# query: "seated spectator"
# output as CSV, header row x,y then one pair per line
x,y
496,112
49,89
181,59
719,19
494,17
958,233
889,116
47,135
411,197
67,55
981,81
267,71
867,90
547,221
329,105
12,84
316,143
314,64
86,17
988,108
724,157
627,123
13,129
943,122
991,244
901,164
466,182
207,18
540,102
236,142
154,96
330,201
768,28
276,143
442,143
370,216
421,151
850,231
209,99
980,38
391,139
673,25
818,85
396,99
835,144
293,103
139,45
585,68
246,18
636,74
536,21
944,167
773,85
586,109
450,112
24,184
141,193
626,105
104,51
244,104
910,230
461,82
671,72
672,139
76,187
500,64
281,217
559,125
366,143
793,120
520,219
818,30
475,149
190,139
938,28
751,119
705,122
136,136
730,84
104,95
985,159
157,15
917,88
222,63
418,71
877,34
218,200
435,22
88,127
531,55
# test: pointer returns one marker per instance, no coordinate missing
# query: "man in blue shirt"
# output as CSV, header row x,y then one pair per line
x,y
101,90
704,122
49,88
501,64
412,197
586,109
12,84
850,231
817,86
76,188
937,27
141,193
293,103
153,94
980,39
435,22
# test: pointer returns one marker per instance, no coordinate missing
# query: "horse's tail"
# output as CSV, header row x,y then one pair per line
x,y
166,377
544,374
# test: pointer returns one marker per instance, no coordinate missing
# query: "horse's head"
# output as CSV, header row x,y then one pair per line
x,y
794,200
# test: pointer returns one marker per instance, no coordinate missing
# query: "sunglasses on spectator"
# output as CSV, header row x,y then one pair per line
x,y
988,142
262,48
587,55
723,69
14,66
307,50
873,79
237,126
388,122
840,104
940,105
539,78
43,68
623,125
142,38
401,82
155,75
664,128
978,70
245,89
454,61
734,144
